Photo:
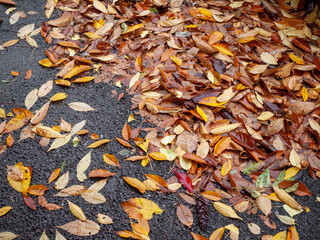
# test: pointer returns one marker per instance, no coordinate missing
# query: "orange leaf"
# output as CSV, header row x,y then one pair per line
x,y
54,175
94,136
194,157
10,140
222,145
215,37
138,64
111,160
46,63
84,79
126,132
135,183
124,143
157,156
68,44
222,48
28,74
176,60
98,143
63,82
17,122
133,28
15,74
37,189
102,173
77,70
157,180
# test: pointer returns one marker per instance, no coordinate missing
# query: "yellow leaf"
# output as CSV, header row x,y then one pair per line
x,y
77,70
21,186
205,12
130,118
58,96
217,234
46,63
2,113
98,143
234,231
111,160
135,183
144,146
158,156
4,210
286,198
291,172
265,116
76,211
63,82
280,235
296,59
191,26
226,167
202,114
147,207
176,60
247,39
215,37
223,48
84,79
304,93
98,24
225,210
92,35
225,129
133,28
104,219
48,132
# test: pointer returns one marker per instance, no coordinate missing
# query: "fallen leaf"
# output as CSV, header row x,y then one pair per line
x,y
59,236
76,211
225,129
104,219
47,132
82,166
62,181
264,204
81,107
81,228
98,143
286,198
74,190
135,183
225,210
40,114
185,215
4,210
54,175
31,98
111,160
93,197
254,228
101,173
217,234
7,235
268,58
295,159
226,167
58,97
44,235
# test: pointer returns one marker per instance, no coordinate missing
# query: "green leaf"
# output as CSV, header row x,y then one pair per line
x,y
255,194
154,10
233,172
252,167
63,165
292,188
124,27
280,178
264,179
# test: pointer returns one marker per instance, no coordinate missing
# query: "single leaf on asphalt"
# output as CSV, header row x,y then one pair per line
x,y
40,114
62,181
44,235
254,228
225,210
286,198
29,202
111,160
126,132
59,236
81,228
58,97
104,219
217,234
76,211
101,173
97,186
184,215
93,197
7,235
81,107
198,237
264,204
4,210
98,143
54,175
135,183
82,166
286,219
31,98
10,42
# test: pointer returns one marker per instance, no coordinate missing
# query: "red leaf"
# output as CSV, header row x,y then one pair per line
x,y
302,190
184,180
29,202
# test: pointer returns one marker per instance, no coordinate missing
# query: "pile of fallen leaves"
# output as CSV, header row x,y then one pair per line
x,y
231,86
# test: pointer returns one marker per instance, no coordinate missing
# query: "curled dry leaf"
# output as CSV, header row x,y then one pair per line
x,y
185,215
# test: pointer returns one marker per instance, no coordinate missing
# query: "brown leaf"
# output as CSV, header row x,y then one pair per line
x,y
10,2
37,190
203,46
126,132
29,202
184,215
102,173
40,114
74,190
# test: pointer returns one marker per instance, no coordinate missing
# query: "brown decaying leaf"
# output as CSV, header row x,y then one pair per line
x,y
184,215
81,228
